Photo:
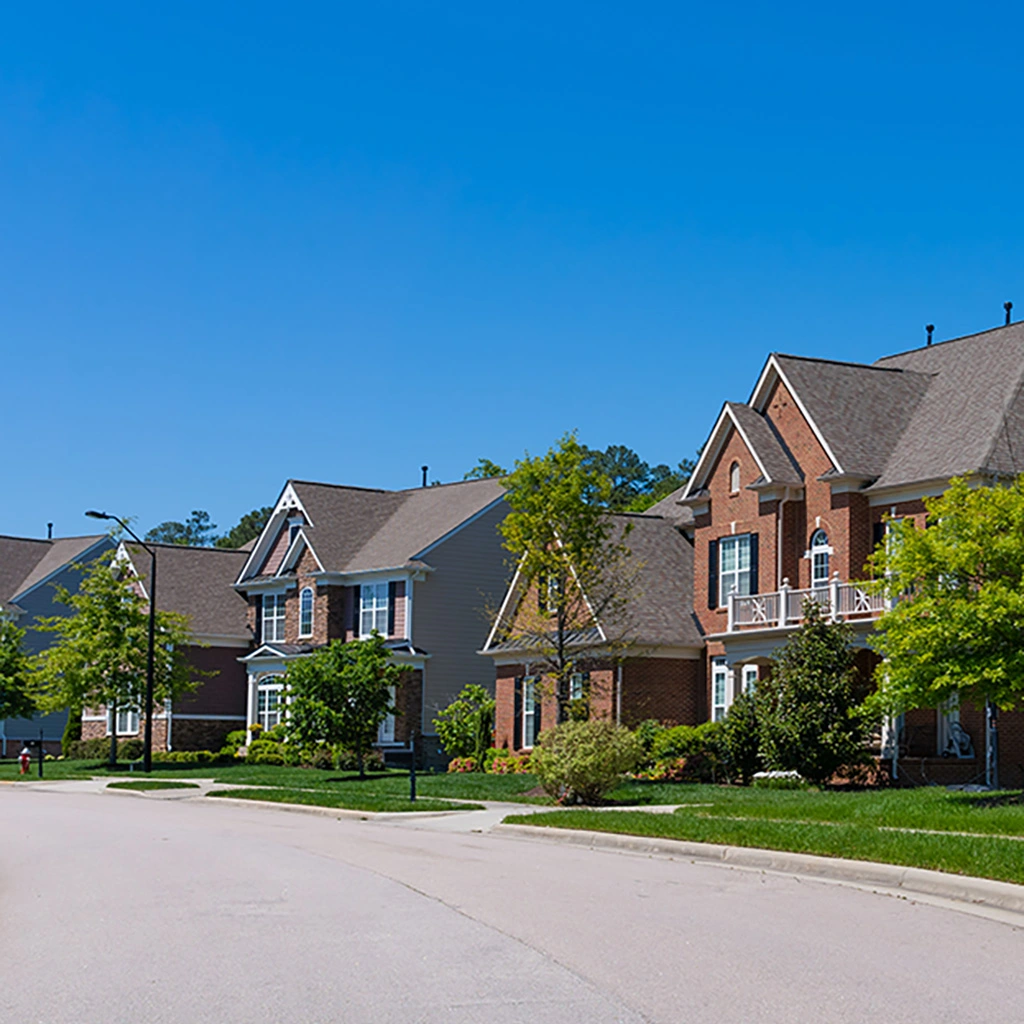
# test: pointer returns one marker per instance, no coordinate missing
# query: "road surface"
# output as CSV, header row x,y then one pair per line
x,y
118,908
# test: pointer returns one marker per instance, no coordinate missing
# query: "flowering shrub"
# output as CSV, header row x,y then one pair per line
x,y
667,771
510,764
462,764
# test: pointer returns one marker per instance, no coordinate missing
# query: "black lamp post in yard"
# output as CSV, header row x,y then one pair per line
x,y
147,753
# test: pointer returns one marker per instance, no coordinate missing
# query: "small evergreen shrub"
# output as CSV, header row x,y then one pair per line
x,y
236,739
700,746
646,733
88,750
348,761
580,762
320,757
130,750
741,740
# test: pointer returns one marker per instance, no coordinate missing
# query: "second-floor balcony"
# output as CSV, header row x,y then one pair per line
x,y
846,602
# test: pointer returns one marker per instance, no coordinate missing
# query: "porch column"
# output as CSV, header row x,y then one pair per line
x,y
250,705
783,601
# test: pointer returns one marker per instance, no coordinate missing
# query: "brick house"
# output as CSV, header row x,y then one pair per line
x,y
792,491
197,582
29,571
657,672
422,567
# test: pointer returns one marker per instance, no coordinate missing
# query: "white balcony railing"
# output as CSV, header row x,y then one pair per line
x,y
780,608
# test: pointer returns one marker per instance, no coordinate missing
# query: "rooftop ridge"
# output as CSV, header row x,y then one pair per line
x,y
52,540
343,487
848,362
936,344
131,542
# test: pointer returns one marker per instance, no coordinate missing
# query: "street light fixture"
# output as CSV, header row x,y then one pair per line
x,y
147,742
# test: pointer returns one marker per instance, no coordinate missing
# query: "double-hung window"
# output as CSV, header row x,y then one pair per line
x,y
750,675
306,612
733,566
720,679
268,702
820,552
373,609
576,685
529,711
127,721
273,617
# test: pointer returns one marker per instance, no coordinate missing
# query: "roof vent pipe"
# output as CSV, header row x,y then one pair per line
x,y
929,328
1007,306
424,468
49,531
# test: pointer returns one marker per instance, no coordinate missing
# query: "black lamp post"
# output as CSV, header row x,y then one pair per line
x,y
147,742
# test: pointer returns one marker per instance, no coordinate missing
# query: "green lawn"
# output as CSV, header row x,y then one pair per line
x,y
144,785
875,826
354,798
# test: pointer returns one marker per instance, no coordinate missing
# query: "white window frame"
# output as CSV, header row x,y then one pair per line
x,y
273,623
751,675
946,716
264,712
529,711
304,629
577,685
737,579
721,689
125,718
734,478
820,554
386,729
373,613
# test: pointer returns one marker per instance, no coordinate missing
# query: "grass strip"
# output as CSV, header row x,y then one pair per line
x,y
345,801
144,785
981,856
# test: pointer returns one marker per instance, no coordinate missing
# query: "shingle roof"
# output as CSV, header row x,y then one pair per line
x,y
24,561
670,509
198,582
355,530
971,417
777,462
861,410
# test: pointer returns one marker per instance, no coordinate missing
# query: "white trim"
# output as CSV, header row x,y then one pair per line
x,y
288,501
408,609
350,579
908,492
312,611
713,449
500,618
451,533
294,549
764,384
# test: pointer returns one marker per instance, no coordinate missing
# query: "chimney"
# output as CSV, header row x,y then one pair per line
x,y
929,328
424,468
1007,306
49,531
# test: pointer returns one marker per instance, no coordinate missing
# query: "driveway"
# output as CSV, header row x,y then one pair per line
x,y
131,909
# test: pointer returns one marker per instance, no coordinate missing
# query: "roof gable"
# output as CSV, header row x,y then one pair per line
x,y
26,563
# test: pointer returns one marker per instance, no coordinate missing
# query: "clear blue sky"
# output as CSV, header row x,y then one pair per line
x,y
246,242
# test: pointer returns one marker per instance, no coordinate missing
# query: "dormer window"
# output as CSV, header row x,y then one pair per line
x,y
306,612
294,525
734,478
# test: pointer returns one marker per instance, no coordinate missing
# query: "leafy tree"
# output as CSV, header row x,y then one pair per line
x,y
483,470
196,531
341,694
15,701
100,652
465,726
248,528
956,627
741,740
574,560
810,712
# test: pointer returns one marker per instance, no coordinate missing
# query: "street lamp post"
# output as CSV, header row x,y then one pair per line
x,y
147,741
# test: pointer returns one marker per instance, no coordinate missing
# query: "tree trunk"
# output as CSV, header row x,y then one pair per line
x,y
113,735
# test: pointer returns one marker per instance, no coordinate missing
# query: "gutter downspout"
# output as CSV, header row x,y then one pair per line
x,y
170,718
778,543
618,695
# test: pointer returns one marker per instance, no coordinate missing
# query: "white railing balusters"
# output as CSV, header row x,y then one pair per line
x,y
784,607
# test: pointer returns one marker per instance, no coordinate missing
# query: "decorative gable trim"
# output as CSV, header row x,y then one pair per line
x,y
286,504
759,400
294,552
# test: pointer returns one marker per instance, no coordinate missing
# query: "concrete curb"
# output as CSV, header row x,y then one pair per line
x,y
982,892
330,812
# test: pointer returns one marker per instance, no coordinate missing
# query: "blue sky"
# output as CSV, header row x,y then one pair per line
x,y
338,241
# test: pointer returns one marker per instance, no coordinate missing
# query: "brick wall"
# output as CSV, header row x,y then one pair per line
x,y
668,689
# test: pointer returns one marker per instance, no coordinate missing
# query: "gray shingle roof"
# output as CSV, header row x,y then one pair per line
x,y
198,582
356,530
777,462
24,561
670,509
862,411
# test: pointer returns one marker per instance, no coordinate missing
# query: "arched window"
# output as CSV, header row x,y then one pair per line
x,y
734,477
306,612
820,552
268,701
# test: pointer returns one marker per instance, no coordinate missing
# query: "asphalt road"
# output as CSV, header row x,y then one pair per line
x,y
125,909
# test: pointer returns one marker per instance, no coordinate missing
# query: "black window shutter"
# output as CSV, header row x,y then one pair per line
x,y
517,714
877,534
754,579
713,574
536,711
355,610
259,618
392,590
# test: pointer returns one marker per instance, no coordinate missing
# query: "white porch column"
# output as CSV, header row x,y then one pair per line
x,y
783,601
833,596
732,611
250,705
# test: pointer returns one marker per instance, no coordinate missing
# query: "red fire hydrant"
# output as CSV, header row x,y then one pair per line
x,y
25,760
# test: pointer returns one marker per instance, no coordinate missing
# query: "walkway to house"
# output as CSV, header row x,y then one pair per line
x,y
178,909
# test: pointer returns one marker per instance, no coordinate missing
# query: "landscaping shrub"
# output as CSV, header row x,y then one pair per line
x,y
700,746
319,757
579,762
741,741
88,750
236,739
184,756
667,771
778,780
72,731
264,751
646,733
130,749
462,764
511,764
279,734
348,761
466,726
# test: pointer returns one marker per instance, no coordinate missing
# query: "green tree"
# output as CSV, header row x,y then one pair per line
x,y
99,654
956,625
741,737
248,528
574,559
810,711
196,531
341,693
15,700
484,470
465,726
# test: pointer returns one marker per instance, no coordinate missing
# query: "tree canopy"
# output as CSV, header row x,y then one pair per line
x,y
15,701
956,625
341,693
99,653
196,531
248,528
